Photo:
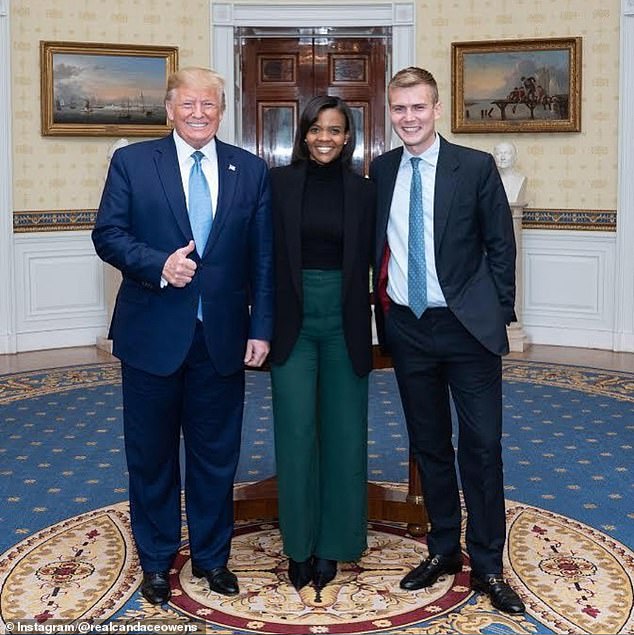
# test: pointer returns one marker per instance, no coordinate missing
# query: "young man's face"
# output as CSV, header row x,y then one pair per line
x,y
413,113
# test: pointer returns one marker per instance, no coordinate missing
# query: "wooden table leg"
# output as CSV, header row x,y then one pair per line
x,y
256,500
259,500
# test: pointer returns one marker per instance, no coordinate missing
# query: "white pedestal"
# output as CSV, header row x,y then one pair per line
x,y
104,344
518,342
112,280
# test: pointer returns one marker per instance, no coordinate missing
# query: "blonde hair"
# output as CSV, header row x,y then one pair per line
x,y
413,76
196,77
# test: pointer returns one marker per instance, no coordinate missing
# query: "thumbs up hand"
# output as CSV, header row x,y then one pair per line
x,y
179,269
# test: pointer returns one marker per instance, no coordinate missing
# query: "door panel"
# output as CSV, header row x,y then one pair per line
x,y
280,74
362,130
354,69
275,73
276,127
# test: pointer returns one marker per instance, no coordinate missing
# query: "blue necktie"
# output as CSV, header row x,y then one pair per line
x,y
200,214
416,268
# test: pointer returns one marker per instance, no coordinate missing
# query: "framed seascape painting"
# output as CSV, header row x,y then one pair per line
x,y
516,85
104,89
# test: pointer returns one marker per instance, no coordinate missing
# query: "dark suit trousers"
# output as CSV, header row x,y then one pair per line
x,y
435,356
207,408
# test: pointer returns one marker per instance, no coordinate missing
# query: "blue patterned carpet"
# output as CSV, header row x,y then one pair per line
x,y
568,441
66,548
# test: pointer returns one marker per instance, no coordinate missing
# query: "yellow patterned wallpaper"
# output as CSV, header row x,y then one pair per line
x,y
566,170
61,173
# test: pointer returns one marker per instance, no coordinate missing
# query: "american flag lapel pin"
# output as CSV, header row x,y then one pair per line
x,y
232,167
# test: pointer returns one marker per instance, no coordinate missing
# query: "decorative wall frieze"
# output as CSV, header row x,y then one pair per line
x,y
53,220
84,219
580,219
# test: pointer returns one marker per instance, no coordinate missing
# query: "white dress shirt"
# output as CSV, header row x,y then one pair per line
x,y
209,166
398,228
210,169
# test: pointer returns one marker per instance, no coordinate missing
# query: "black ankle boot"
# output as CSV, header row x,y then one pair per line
x,y
300,573
324,571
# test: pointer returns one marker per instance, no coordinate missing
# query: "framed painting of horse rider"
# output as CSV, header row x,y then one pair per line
x,y
516,85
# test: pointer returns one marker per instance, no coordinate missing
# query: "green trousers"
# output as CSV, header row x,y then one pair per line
x,y
320,406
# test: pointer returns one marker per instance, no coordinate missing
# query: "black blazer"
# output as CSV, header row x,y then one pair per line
x,y
287,186
474,243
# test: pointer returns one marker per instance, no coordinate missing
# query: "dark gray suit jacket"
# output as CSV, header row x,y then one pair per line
x,y
474,243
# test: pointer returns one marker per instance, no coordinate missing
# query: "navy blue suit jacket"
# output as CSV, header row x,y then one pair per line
x,y
474,243
142,219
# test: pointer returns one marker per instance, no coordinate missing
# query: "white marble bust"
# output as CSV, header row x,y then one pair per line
x,y
112,275
505,155
119,143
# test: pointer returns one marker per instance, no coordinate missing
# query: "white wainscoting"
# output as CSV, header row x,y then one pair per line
x,y
59,290
7,315
569,288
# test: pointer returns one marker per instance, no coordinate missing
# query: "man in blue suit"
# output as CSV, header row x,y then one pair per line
x,y
445,251
187,221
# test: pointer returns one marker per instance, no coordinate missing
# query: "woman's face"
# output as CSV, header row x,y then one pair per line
x,y
327,136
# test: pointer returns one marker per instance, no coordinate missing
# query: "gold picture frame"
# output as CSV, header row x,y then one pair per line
x,y
104,89
516,85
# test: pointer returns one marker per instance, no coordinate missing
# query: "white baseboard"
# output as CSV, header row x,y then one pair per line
x,y
43,340
624,342
582,338
7,344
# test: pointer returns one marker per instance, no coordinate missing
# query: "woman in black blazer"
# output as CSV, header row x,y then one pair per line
x,y
321,352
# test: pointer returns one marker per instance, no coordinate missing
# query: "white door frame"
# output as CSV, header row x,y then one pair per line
x,y
7,275
225,16
623,334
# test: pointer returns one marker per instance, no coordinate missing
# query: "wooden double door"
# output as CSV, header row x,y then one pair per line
x,y
279,73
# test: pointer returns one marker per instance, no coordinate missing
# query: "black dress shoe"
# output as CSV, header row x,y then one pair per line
x,y
324,570
300,573
220,579
429,570
155,587
501,594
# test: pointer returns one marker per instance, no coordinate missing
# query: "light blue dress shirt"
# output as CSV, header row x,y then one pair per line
x,y
398,228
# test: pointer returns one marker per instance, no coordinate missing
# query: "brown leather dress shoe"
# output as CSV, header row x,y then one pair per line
x,y
220,579
155,587
429,570
500,593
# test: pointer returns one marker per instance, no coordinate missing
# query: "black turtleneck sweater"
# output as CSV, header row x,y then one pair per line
x,y
322,216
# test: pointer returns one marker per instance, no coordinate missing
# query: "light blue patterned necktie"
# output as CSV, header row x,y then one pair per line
x,y
200,213
416,267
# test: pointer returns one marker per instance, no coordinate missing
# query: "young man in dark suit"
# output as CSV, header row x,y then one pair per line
x,y
445,253
187,221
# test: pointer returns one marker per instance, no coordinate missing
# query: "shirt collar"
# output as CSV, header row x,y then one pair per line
x,y
430,156
184,151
